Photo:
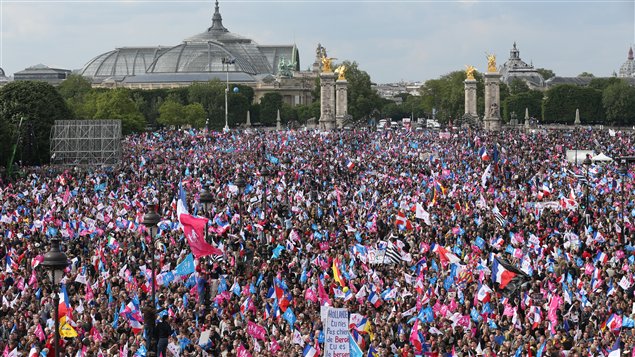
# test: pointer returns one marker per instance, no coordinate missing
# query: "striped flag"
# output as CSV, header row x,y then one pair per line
x,y
498,216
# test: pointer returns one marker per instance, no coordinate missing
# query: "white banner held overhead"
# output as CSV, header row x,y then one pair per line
x,y
336,343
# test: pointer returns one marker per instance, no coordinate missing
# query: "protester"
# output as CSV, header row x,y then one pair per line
x,y
469,244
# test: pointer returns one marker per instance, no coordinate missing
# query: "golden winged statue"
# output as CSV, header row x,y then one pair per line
x,y
491,63
341,70
469,72
326,64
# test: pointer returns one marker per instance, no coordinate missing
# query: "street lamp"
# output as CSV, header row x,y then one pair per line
x,y
227,62
206,199
55,261
587,164
241,184
623,171
150,221
158,164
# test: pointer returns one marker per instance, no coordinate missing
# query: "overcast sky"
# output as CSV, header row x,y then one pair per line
x,y
391,40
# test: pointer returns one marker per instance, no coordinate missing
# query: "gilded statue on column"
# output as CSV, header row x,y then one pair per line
x,y
326,64
491,63
469,72
341,70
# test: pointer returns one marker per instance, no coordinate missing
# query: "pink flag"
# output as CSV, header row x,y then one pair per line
x,y
309,294
324,297
509,310
414,338
274,347
194,228
242,352
256,331
67,196
39,333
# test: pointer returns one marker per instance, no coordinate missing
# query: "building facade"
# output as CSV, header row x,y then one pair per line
x,y
627,70
40,72
516,68
3,78
215,54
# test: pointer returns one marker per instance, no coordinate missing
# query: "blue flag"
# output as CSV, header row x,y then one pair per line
x,y
354,347
276,251
186,267
289,316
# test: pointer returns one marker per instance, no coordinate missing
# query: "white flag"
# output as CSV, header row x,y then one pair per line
x,y
421,213
486,175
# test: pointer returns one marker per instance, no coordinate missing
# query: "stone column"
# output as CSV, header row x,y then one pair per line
x,y
278,121
470,97
327,100
248,123
492,118
341,102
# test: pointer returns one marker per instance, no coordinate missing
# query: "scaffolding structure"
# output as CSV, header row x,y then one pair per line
x,y
86,142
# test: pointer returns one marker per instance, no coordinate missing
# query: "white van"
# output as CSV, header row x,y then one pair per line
x,y
431,123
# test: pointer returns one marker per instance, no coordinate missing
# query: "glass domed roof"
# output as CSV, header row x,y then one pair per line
x,y
201,53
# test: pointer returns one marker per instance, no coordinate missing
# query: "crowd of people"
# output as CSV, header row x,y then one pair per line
x,y
464,243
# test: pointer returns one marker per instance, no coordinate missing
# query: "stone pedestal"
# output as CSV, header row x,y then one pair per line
x,y
527,118
327,101
470,97
577,117
341,102
492,117
278,121
248,123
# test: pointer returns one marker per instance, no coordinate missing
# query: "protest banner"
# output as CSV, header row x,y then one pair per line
x,y
336,343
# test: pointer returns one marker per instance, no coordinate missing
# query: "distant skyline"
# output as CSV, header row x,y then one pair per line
x,y
393,41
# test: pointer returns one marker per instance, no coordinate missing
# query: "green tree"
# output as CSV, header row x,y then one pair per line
x,y
532,100
118,104
288,113
603,83
586,74
545,73
562,101
517,86
618,100
270,103
211,95
195,115
447,95
172,113
308,111
74,90
39,104
149,102
362,98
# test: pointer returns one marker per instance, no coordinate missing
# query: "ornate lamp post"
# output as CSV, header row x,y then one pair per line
x,y
241,184
158,164
587,164
206,199
55,261
151,220
227,62
623,171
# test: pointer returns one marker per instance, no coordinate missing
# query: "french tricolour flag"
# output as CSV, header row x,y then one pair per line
x,y
483,154
309,351
501,275
374,299
350,165
602,258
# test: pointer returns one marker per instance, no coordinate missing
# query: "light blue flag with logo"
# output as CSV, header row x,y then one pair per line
x,y
186,267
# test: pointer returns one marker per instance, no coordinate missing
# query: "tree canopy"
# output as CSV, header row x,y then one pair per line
x,y
39,105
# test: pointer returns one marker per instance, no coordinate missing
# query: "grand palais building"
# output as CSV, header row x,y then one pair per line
x,y
216,53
